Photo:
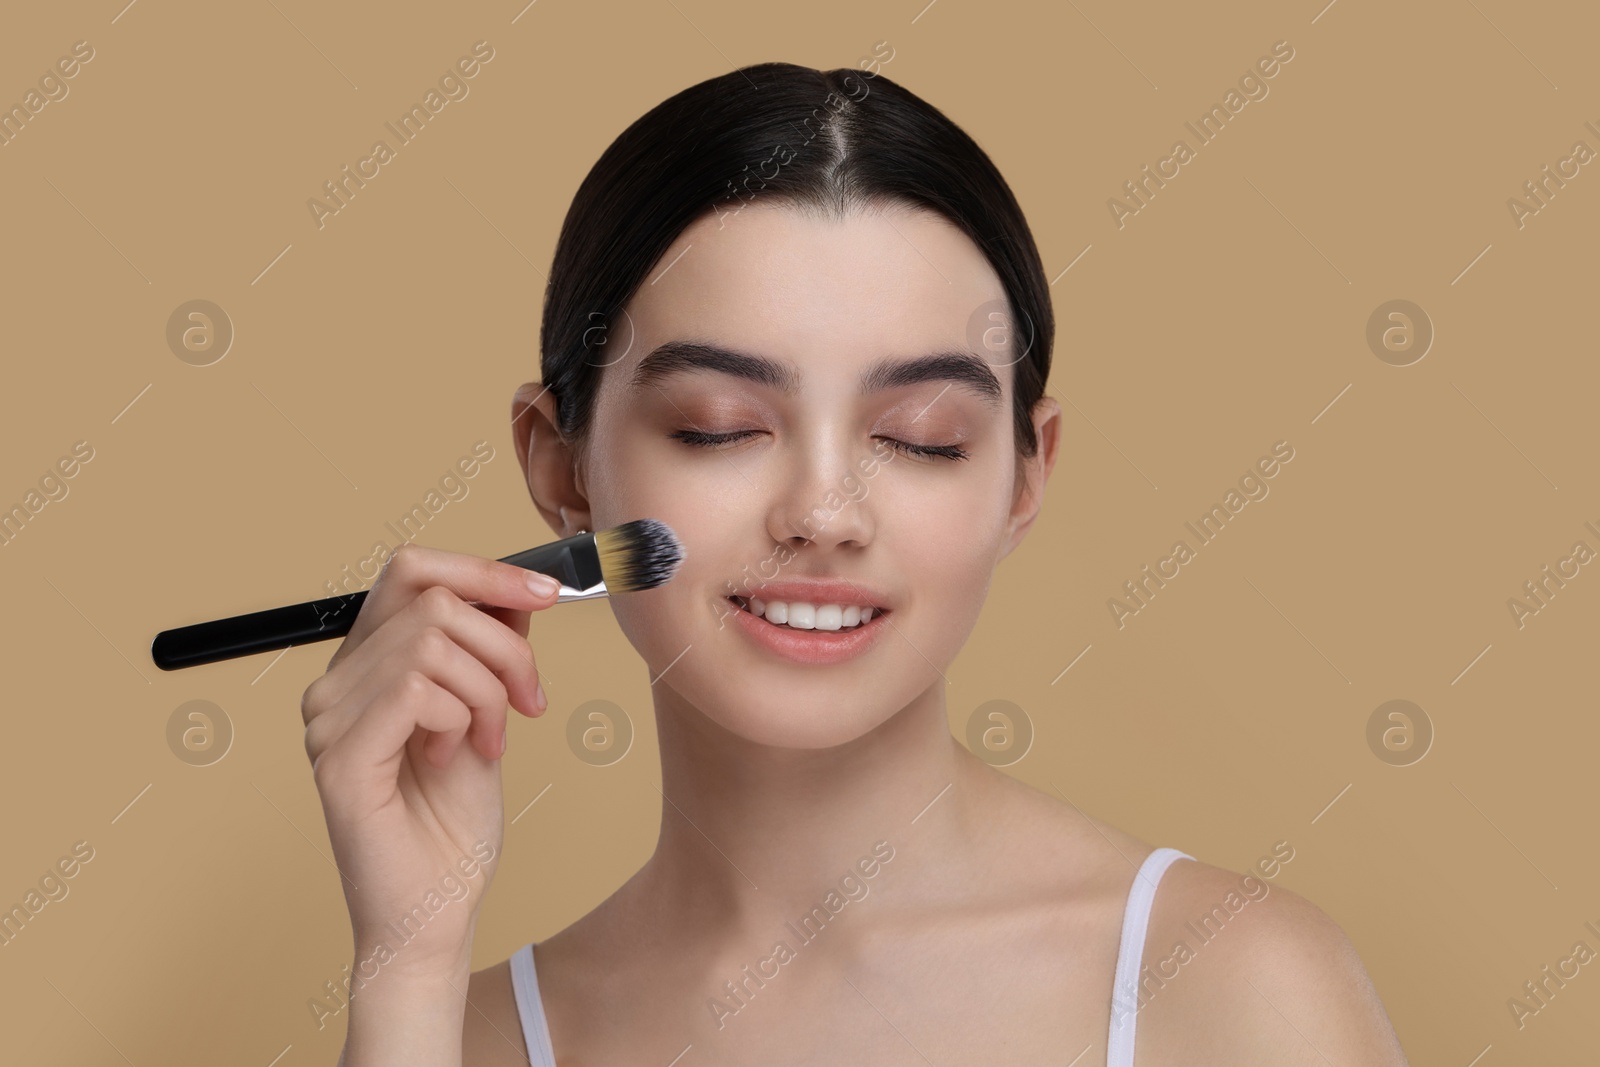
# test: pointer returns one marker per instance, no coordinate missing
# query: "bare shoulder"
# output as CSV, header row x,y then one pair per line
x,y
491,1032
1222,945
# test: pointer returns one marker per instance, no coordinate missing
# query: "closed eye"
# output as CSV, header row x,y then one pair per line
x,y
701,439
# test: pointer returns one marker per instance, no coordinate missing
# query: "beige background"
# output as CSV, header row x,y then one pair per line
x,y
1230,313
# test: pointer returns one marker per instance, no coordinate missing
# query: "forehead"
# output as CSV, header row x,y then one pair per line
x,y
827,294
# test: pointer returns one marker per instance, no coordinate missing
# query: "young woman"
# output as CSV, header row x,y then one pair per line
x,y
798,316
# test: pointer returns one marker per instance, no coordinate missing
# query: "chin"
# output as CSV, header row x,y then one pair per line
x,y
797,717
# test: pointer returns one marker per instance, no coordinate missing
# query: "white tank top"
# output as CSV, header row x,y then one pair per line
x,y
1124,989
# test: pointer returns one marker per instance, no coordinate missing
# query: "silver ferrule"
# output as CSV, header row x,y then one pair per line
x,y
568,592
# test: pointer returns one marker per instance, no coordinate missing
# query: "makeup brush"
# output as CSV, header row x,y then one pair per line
x,y
636,555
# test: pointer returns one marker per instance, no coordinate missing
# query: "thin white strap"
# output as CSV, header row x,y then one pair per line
x,y
1130,953
525,987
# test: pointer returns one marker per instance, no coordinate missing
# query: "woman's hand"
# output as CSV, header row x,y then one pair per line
x,y
423,669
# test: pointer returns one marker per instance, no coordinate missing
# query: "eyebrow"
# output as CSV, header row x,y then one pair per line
x,y
959,367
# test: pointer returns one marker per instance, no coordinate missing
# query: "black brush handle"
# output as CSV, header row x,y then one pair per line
x,y
574,561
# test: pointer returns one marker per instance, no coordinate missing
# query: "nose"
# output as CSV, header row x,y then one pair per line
x,y
823,498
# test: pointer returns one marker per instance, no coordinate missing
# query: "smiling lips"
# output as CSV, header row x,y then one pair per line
x,y
813,622
817,646
804,615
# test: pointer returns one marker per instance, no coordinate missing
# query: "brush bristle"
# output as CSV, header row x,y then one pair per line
x,y
638,555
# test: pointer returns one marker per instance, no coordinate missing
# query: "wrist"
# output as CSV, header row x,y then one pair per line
x,y
415,978
381,955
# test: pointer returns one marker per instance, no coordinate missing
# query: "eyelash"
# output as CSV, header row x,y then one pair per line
x,y
699,439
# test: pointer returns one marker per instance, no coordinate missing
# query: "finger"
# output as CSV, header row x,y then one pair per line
x,y
516,620
503,650
413,568
365,760
433,654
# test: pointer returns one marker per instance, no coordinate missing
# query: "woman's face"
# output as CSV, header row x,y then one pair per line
x,y
813,488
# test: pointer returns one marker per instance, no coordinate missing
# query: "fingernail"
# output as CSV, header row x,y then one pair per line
x,y
538,695
503,741
543,584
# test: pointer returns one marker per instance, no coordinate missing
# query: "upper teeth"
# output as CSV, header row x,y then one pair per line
x,y
803,616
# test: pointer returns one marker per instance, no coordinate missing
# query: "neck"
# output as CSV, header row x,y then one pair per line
x,y
754,836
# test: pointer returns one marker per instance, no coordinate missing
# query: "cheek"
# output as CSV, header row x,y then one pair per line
x,y
712,523
639,473
951,526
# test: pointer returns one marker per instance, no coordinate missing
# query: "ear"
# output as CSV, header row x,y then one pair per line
x,y
1033,472
549,466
